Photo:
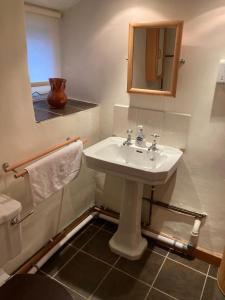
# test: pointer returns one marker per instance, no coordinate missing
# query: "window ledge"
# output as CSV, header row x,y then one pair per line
x,y
44,112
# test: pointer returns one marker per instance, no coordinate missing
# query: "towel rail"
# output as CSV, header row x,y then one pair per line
x,y
7,168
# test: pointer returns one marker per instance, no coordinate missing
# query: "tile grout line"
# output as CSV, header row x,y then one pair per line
x,y
56,273
158,253
49,111
62,283
122,271
156,276
113,266
43,272
154,288
104,277
137,279
180,263
78,250
212,277
99,229
68,287
95,257
154,251
160,269
203,288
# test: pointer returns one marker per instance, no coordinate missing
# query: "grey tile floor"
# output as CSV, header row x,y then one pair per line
x,y
89,270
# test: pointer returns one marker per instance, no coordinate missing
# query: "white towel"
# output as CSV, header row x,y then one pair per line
x,y
51,173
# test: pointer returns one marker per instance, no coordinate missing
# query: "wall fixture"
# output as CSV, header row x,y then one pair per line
x,y
154,57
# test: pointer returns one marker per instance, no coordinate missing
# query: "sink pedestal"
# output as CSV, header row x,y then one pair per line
x,y
128,241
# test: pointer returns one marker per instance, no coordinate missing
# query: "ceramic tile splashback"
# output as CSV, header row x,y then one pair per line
x,y
172,127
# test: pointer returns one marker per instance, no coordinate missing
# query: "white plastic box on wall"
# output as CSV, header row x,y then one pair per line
x,y
221,73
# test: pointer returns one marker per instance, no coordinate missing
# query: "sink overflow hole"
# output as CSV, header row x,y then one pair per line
x,y
139,151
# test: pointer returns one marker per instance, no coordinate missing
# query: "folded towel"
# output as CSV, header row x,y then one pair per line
x,y
53,172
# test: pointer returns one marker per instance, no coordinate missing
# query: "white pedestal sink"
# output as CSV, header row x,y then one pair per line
x,y
138,166
128,241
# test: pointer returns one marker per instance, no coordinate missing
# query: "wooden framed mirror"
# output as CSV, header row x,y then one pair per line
x,y
154,57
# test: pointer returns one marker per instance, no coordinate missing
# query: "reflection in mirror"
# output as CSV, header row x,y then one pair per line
x,y
218,107
154,52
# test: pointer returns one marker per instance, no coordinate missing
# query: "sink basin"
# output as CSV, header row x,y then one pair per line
x,y
135,163
137,166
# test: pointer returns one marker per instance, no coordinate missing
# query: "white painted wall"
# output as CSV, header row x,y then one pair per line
x,y
21,137
95,36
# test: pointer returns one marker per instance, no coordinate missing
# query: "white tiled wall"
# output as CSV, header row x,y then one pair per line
x,y
173,128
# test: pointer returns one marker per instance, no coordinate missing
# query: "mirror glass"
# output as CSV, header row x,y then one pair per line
x,y
154,53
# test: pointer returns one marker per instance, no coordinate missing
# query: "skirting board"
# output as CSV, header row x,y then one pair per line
x,y
205,255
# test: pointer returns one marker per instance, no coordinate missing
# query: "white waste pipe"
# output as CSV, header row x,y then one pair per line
x,y
169,241
3,277
196,228
195,232
166,240
49,254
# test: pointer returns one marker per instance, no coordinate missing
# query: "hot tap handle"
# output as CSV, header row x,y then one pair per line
x,y
129,132
129,137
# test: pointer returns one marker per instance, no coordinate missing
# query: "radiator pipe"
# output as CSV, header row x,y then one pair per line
x,y
49,254
177,209
172,243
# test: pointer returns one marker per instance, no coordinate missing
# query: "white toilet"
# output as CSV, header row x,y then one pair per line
x,y
23,286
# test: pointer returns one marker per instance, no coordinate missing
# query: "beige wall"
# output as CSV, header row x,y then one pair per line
x,y
21,136
95,34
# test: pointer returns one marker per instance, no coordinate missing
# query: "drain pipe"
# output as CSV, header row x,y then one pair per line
x,y
113,217
105,215
62,242
172,243
196,228
197,222
195,233
3,277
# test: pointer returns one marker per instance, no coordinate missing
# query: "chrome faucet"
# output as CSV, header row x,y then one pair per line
x,y
153,146
128,142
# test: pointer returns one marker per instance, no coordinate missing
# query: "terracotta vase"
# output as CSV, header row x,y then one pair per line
x,y
57,97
